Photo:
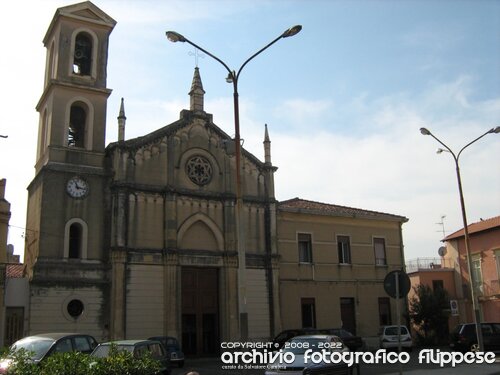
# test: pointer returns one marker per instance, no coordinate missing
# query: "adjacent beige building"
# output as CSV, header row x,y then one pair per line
x,y
333,261
139,237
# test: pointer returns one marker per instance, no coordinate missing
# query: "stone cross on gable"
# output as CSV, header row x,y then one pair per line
x,y
196,55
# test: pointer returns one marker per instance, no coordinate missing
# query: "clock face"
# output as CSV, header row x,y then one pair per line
x,y
77,187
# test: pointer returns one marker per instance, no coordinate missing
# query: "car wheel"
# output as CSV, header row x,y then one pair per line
x,y
474,348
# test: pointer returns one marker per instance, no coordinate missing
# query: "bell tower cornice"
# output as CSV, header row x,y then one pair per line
x,y
85,12
68,85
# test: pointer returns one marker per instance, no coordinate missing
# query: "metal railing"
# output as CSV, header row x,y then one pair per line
x,y
490,288
428,264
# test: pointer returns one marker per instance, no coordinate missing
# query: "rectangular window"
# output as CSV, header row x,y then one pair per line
x,y
379,248
477,277
384,311
305,248
308,312
344,248
497,259
437,284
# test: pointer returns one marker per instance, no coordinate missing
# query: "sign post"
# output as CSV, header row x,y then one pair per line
x,y
397,285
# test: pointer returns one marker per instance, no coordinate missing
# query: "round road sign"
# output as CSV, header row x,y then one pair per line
x,y
390,284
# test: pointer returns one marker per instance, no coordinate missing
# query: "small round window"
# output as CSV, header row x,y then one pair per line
x,y
75,308
199,170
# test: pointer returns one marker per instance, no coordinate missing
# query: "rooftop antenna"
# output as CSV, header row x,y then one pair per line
x,y
442,225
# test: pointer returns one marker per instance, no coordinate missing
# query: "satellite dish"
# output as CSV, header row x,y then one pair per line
x,y
442,251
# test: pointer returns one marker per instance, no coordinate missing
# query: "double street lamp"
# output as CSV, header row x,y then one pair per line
x,y
475,307
233,77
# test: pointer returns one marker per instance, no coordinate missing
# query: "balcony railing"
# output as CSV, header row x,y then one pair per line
x,y
428,264
490,288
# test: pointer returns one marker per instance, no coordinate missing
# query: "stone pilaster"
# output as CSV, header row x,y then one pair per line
x,y
118,294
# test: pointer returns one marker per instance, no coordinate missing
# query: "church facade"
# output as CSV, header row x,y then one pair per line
x,y
139,238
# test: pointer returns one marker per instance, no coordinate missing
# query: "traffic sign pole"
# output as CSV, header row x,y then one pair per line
x,y
398,317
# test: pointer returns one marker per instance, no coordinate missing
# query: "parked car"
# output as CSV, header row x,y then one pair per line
x,y
299,345
463,337
137,348
43,345
351,341
171,344
287,334
389,338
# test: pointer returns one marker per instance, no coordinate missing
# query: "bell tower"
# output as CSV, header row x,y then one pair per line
x,y
65,229
73,103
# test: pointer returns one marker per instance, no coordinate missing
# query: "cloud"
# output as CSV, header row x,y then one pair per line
x,y
298,111
391,167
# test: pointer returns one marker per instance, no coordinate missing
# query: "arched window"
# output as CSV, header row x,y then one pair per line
x,y
82,59
75,241
51,64
77,123
44,134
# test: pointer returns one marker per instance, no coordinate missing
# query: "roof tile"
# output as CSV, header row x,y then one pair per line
x,y
477,227
297,204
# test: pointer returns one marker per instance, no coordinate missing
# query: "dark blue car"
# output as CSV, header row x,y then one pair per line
x,y
173,348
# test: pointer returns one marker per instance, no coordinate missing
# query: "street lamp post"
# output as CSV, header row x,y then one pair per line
x,y
475,307
233,77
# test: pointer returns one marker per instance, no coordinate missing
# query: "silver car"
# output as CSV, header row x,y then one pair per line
x,y
389,338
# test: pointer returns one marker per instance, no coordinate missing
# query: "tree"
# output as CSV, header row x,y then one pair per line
x,y
429,311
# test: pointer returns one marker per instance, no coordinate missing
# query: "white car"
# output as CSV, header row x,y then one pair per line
x,y
389,338
298,347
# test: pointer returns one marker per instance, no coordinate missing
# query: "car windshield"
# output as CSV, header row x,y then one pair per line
x,y
299,345
171,343
103,350
393,331
37,346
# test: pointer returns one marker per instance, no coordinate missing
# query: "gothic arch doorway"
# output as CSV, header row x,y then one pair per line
x,y
200,311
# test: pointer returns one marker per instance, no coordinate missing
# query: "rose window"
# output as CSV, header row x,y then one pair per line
x,y
199,170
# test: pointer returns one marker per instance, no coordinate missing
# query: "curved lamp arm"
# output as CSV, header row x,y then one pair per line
x,y
232,76
425,131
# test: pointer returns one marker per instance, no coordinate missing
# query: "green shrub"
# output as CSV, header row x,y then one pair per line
x,y
123,362
74,363
21,363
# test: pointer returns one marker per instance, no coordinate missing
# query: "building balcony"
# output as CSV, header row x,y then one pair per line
x,y
426,264
489,290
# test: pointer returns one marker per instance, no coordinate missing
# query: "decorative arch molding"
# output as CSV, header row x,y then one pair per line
x,y
83,239
51,63
89,125
200,217
95,48
44,132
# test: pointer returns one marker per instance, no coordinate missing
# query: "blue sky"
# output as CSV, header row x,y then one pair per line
x,y
343,100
